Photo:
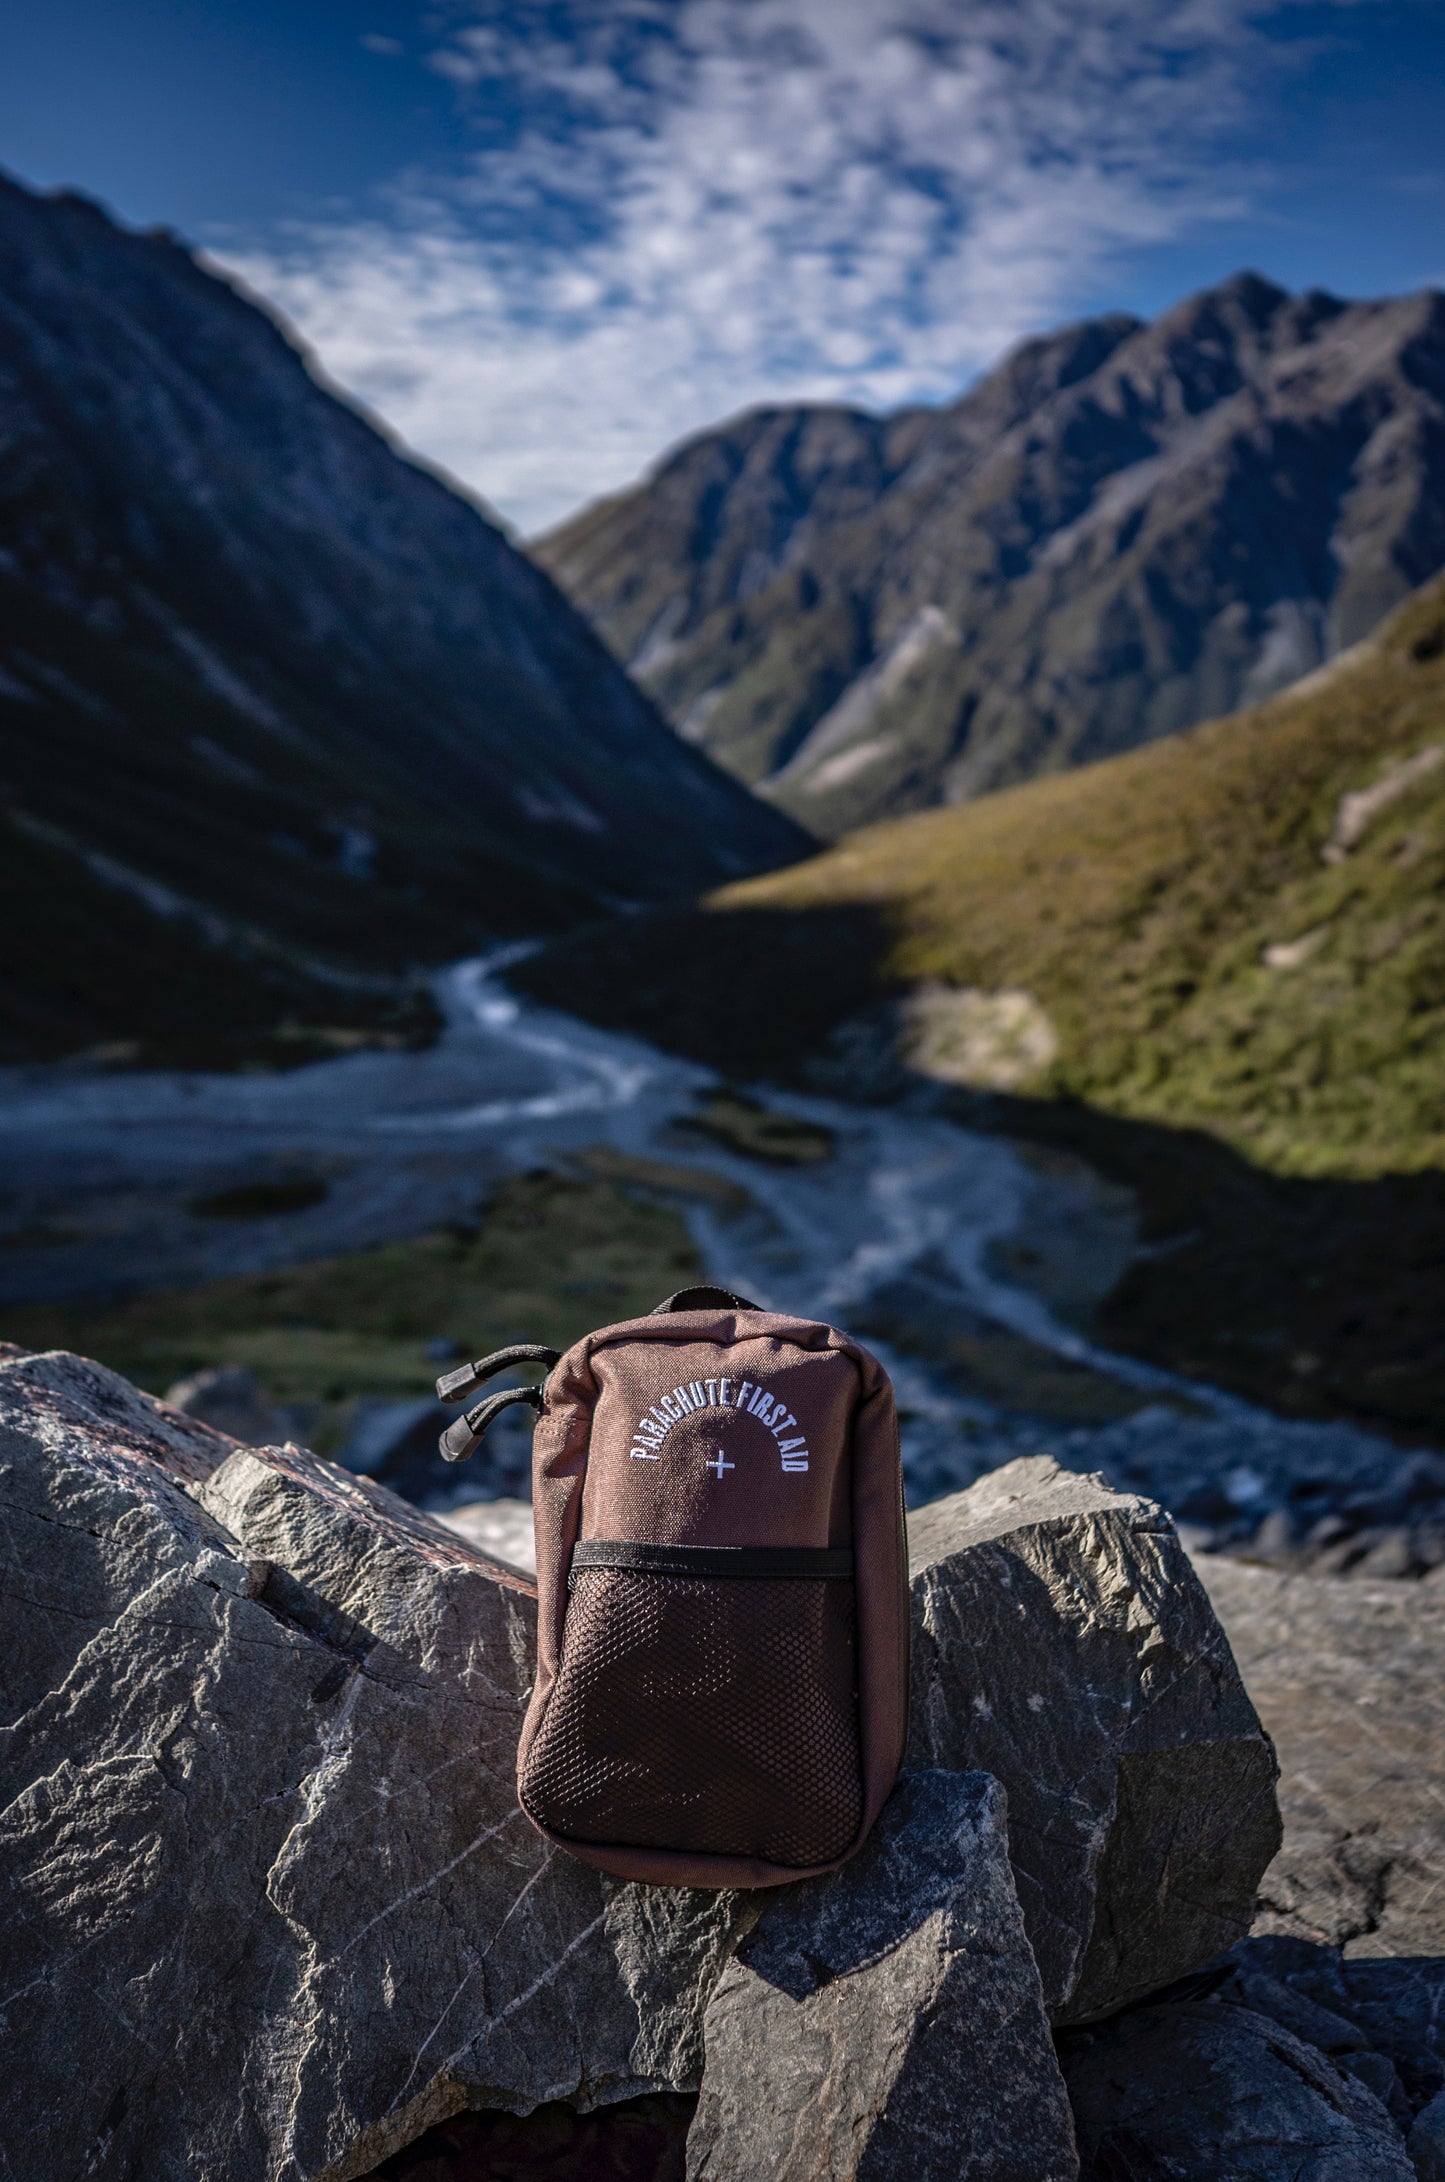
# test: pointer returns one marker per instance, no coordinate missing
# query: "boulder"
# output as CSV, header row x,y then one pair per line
x,y
1206,2091
271,1910
270,1906
396,1442
888,2020
1350,1682
379,1429
1063,1643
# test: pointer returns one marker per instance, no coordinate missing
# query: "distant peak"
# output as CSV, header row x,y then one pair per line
x,y
1251,287
1247,294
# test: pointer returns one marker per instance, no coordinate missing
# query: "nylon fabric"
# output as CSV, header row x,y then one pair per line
x,y
703,1714
737,1727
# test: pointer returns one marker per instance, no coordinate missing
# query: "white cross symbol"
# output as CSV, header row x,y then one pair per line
x,y
719,1465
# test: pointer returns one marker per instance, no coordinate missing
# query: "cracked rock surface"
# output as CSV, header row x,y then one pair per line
x,y
888,2020
271,1908
1063,1643
1347,1679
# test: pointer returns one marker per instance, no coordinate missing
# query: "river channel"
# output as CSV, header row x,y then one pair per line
x,y
967,1263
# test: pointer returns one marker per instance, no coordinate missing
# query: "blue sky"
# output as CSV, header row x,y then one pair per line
x,y
544,240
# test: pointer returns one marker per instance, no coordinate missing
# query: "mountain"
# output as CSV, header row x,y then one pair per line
x,y
1215,966
1122,530
283,712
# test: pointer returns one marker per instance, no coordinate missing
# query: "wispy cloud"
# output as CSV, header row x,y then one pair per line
x,y
676,208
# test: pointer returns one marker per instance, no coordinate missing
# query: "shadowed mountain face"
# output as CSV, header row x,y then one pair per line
x,y
274,692
1124,529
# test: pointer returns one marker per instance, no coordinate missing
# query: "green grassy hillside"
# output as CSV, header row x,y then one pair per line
x,y
1235,944
548,1257
1241,929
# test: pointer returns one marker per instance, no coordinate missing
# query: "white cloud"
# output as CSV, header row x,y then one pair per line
x,y
677,208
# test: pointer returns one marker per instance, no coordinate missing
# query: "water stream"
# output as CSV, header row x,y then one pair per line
x,y
908,1215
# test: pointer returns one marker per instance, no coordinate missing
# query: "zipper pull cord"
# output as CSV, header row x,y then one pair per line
x,y
465,1436
452,1385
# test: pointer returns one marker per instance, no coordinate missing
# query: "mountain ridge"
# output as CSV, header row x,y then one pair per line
x,y
253,657
1124,528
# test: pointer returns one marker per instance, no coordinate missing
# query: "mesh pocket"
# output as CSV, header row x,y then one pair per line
x,y
712,1715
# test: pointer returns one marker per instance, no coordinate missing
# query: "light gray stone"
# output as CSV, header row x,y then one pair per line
x,y
1211,2092
1063,1643
888,2020
270,1905
1350,1682
378,1428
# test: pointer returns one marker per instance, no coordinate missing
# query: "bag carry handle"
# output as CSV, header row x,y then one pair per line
x,y
465,1436
704,1299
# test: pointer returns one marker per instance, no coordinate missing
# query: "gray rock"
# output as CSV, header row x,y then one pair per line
x,y
1063,1644
231,1400
1392,2005
888,2021
1426,2141
270,1906
1296,2011
1399,2004
396,1443
1390,1555
263,1866
1376,2071
1211,2092
1348,1679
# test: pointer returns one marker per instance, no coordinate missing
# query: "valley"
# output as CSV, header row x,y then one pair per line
x,y
1212,968
708,721
530,1176
1106,1103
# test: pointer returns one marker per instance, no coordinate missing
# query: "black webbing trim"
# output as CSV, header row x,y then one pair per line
x,y
818,1562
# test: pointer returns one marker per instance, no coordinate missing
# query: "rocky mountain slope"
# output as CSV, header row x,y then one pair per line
x,y
1213,966
1124,529
282,712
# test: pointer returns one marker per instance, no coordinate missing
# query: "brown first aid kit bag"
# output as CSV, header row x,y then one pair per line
x,y
722,1647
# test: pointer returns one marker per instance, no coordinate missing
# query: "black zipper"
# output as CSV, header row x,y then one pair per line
x,y
820,1563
